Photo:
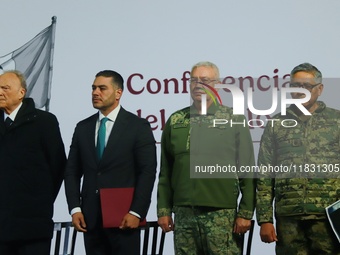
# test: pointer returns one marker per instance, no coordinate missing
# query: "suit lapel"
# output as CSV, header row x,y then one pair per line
x,y
90,133
2,123
119,126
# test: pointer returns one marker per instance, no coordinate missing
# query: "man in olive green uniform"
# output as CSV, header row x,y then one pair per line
x,y
310,149
195,182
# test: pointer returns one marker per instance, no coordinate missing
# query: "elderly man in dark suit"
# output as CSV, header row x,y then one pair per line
x,y
32,158
128,160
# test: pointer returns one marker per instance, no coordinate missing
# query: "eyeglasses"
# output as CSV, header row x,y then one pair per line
x,y
201,81
303,85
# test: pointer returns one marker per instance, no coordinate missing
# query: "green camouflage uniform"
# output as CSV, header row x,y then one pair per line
x,y
312,148
205,230
205,205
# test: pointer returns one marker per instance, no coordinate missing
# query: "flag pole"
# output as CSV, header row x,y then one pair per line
x,y
50,70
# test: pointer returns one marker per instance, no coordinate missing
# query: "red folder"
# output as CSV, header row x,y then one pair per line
x,y
115,204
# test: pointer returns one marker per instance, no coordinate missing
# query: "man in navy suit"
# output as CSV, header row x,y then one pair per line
x,y
128,160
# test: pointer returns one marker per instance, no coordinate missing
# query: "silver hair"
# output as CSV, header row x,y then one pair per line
x,y
308,68
20,76
208,64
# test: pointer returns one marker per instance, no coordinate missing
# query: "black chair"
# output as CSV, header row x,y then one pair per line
x,y
250,239
152,226
62,231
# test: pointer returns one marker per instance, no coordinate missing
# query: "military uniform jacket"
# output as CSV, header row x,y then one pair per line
x,y
311,152
191,148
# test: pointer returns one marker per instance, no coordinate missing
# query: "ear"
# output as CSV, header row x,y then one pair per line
x,y
22,93
216,83
119,93
320,89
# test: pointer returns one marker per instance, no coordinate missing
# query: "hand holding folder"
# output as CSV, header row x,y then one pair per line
x,y
115,204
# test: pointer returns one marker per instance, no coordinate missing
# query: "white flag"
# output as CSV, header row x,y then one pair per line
x,y
35,60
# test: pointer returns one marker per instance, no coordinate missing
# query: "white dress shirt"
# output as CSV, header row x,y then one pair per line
x,y
13,114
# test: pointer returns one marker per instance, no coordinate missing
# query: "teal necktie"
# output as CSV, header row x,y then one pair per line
x,y
101,137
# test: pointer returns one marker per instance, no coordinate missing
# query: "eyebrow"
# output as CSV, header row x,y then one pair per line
x,y
100,85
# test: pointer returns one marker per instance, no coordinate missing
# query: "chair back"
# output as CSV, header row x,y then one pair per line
x,y
250,239
63,241
150,234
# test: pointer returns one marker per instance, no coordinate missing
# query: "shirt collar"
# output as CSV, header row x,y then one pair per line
x,y
210,111
13,114
112,115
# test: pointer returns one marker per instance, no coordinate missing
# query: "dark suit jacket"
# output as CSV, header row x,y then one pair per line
x,y
129,160
32,163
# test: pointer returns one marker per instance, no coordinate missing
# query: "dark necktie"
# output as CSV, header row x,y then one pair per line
x,y
101,137
8,122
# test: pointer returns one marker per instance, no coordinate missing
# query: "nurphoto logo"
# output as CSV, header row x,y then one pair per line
x,y
238,97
